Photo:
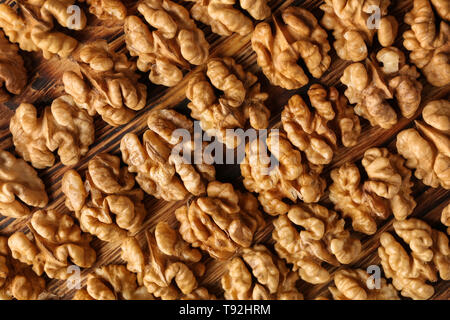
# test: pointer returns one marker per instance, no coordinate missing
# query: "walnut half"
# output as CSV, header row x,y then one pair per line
x,y
323,239
172,45
221,222
296,34
17,279
164,161
63,127
259,275
20,186
227,17
429,255
106,84
371,85
57,243
106,204
427,148
13,75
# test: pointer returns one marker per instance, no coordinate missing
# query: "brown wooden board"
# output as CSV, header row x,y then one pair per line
x,y
45,84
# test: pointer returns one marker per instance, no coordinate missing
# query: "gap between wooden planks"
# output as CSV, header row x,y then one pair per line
x,y
45,85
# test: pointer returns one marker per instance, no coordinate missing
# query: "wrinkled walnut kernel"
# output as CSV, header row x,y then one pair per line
x,y
13,75
239,100
272,279
221,222
107,204
428,40
323,239
429,255
351,24
20,186
34,29
171,48
426,148
106,84
63,127
160,160
297,34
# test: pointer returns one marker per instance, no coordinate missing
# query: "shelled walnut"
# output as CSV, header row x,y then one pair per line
x,y
227,99
57,244
221,222
174,44
63,127
112,282
429,255
427,147
349,198
106,84
162,162
20,186
295,35
388,178
259,275
107,9
226,17
372,84
323,238
355,25
295,177
353,284
34,26
17,279
445,217
429,40
173,267
106,204
13,75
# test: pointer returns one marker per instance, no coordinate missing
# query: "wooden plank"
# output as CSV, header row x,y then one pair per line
x,y
45,84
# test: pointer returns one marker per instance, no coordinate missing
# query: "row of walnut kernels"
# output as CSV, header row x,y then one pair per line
x,y
222,221
167,43
305,133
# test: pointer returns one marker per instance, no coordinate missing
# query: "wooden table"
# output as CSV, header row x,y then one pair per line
x,y
45,84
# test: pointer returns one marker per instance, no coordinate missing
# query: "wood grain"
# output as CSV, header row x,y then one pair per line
x,y
45,85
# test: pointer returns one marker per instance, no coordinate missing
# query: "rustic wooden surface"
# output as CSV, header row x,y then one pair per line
x,y
45,84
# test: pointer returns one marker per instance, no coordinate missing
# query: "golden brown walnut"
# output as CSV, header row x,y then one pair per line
x,y
63,127
112,282
354,284
259,275
371,85
241,100
173,266
427,148
429,40
350,198
13,75
323,238
429,255
107,9
221,222
164,161
225,17
17,280
174,44
355,23
388,178
106,84
57,243
33,27
295,35
445,217
19,186
106,204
